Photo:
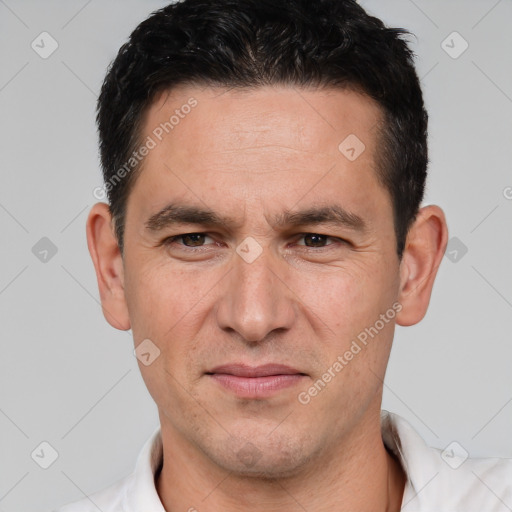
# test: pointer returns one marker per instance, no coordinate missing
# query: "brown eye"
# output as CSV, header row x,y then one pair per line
x,y
315,240
193,239
188,240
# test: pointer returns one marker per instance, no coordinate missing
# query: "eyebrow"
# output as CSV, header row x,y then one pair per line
x,y
183,214
331,214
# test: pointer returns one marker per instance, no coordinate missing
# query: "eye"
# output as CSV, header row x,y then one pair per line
x,y
317,240
188,240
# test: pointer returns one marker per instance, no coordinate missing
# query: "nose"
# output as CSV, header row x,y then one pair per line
x,y
255,300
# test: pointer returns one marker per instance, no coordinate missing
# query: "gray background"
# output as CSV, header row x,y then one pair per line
x,y
70,379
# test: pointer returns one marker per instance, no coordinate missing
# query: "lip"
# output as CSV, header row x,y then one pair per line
x,y
264,370
255,381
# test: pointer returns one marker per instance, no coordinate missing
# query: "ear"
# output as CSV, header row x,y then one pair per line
x,y
423,252
108,264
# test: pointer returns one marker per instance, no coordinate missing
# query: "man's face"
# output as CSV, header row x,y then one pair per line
x,y
291,259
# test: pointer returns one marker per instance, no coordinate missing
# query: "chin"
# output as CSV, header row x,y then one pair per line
x,y
263,459
264,470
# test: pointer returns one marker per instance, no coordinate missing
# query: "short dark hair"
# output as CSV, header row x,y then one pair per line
x,y
252,43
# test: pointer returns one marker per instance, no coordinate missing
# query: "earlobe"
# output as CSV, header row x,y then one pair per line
x,y
424,250
108,264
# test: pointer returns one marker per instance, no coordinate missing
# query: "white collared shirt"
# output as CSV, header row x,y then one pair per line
x,y
436,481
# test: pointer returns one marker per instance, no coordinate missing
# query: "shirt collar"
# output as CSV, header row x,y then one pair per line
x,y
418,460
141,492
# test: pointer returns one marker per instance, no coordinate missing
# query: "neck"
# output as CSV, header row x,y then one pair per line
x,y
359,474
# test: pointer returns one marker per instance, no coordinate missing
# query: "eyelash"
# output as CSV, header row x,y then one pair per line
x,y
172,239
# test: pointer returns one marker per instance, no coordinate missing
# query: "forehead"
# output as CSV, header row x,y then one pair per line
x,y
281,143
308,119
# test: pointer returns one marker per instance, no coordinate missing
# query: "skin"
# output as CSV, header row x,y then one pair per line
x,y
252,155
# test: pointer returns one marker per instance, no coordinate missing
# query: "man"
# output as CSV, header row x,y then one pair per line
x,y
265,163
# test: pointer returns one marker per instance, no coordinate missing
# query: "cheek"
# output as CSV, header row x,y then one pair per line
x,y
346,299
169,306
162,299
